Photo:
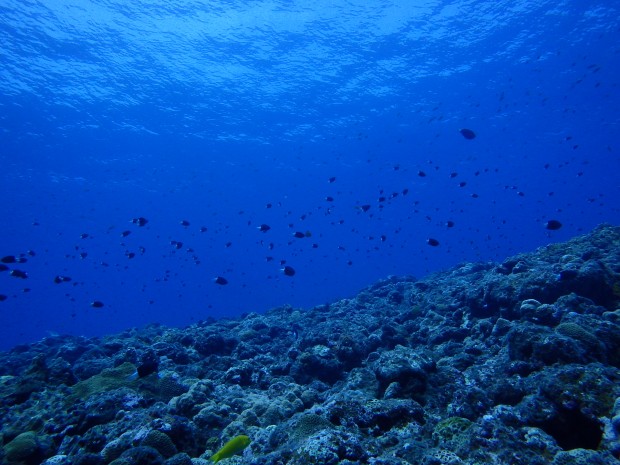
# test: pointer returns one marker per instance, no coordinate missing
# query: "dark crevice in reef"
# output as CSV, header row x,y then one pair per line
x,y
571,429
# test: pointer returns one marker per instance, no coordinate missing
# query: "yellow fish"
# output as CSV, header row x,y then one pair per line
x,y
232,447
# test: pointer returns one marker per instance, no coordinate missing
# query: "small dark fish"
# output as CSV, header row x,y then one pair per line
x,y
84,235
299,235
125,233
264,228
450,224
365,208
454,174
332,179
383,238
204,229
96,304
176,244
130,254
19,274
21,260
140,221
221,281
462,184
3,297
421,173
329,198
288,270
405,191
3,267
8,259
30,252
83,255
553,225
468,133
432,242
184,223
62,279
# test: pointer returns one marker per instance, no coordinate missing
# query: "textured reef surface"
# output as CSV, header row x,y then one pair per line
x,y
509,363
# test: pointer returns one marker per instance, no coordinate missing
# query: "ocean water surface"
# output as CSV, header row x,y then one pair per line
x,y
258,138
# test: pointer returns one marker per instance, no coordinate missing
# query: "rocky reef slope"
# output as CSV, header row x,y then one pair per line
x,y
511,363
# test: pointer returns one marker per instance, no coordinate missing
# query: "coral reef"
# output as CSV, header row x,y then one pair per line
x,y
511,363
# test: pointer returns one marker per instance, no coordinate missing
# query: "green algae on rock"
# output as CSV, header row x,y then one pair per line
x,y
23,448
108,380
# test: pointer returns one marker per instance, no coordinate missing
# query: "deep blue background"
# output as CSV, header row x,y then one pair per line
x,y
210,111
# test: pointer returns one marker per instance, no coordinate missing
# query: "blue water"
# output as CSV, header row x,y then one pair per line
x,y
209,112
